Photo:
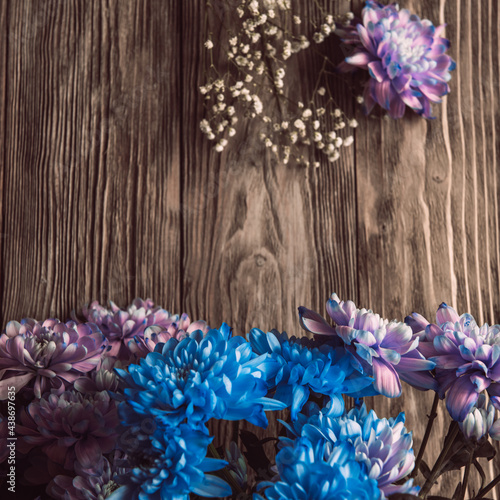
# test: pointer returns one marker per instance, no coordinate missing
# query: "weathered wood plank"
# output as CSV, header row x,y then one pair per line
x,y
428,198
92,186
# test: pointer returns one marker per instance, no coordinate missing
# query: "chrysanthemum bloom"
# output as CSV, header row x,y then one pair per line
x,y
97,485
467,358
198,378
383,446
316,469
302,369
47,355
103,378
171,465
70,427
479,420
141,346
404,55
120,326
385,350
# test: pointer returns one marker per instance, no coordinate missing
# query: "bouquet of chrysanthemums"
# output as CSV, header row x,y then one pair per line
x,y
116,404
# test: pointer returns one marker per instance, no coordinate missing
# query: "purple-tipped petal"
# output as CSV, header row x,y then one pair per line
x,y
386,379
461,398
314,323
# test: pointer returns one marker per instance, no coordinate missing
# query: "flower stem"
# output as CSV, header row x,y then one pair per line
x,y
230,479
466,474
487,488
427,434
452,434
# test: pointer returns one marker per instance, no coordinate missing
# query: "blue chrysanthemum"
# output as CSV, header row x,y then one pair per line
x,y
317,470
382,445
324,370
171,464
198,378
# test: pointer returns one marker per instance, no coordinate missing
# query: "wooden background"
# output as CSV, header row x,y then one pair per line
x,y
108,190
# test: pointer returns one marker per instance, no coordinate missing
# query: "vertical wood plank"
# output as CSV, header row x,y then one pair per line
x,y
427,191
92,186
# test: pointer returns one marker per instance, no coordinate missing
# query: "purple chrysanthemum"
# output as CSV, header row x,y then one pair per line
x,y
97,484
125,329
48,355
70,427
385,350
404,55
467,358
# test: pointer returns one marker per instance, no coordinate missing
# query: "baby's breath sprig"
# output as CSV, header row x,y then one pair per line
x,y
262,37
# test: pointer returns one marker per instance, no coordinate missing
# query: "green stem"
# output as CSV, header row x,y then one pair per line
x,y
452,434
488,488
427,434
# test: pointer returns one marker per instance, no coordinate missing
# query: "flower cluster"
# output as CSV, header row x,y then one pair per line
x,y
322,370
262,37
384,447
100,427
467,359
385,350
404,55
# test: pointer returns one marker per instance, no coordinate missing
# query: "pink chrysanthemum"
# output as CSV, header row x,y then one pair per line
x,y
404,55
125,329
49,355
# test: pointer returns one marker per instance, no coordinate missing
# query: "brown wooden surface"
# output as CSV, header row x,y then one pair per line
x,y
108,190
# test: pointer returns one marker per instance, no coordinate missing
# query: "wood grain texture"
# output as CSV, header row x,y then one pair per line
x,y
428,200
92,182
108,190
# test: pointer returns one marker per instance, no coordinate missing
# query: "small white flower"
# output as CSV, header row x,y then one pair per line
x,y
203,90
320,111
296,20
326,29
349,140
211,136
220,97
299,124
219,147
240,12
284,125
316,164
360,99
332,135
268,143
271,14
321,91
223,142
300,104
255,37
338,142
318,37
329,19
232,132
234,119
280,73
334,157
276,127
274,148
353,123
233,41
307,113
230,110
248,78
278,83
293,137
317,137
316,124
245,48
209,44
337,113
